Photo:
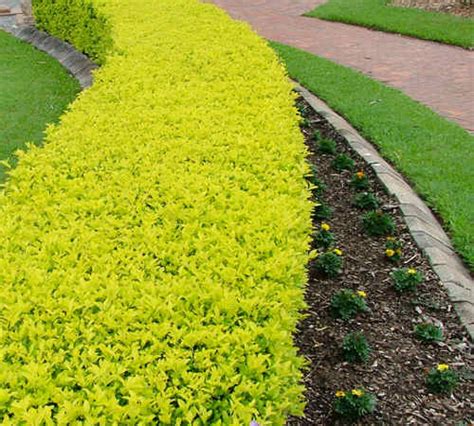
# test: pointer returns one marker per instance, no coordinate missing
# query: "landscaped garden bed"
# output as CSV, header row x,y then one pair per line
x,y
153,253
464,8
398,359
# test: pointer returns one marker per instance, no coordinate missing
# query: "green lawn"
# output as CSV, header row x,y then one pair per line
x,y
437,156
34,91
378,14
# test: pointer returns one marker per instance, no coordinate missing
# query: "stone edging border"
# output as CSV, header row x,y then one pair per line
x,y
424,227
78,64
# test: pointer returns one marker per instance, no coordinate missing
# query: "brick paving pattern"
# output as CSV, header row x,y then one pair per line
x,y
439,76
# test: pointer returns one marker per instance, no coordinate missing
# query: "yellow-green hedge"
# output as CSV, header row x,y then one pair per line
x,y
79,22
153,252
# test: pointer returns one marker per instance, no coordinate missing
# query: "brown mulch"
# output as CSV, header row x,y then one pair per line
x,y
454,7
399,362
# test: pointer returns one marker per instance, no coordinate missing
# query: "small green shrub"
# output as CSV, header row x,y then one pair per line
x,y
406,279
322,212
355,348
442,379
347,303
313,169
377,223
316,136
343,162
302,108
393,249
329,263
318,186
428,332
78,22
327,146
323,238
366,201
354,404
360,180
304,121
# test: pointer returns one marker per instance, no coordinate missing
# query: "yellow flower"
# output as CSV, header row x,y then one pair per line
x,y
357,392
362,294
337,251
360,175
340,394
442,367
389,252
325,227
390,238
411,271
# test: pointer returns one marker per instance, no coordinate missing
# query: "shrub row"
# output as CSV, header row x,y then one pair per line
x,y
153,252
79,22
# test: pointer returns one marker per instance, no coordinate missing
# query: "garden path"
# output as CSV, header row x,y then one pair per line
x,y
437,75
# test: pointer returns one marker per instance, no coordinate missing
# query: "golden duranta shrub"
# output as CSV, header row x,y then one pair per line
x,y
153,251
79,22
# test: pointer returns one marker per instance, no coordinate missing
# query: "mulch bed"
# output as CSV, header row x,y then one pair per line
x,y
453,7
398,365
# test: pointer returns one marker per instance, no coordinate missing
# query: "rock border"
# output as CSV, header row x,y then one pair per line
x,y
423,225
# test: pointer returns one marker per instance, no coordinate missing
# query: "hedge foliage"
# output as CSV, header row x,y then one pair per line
x,y
153,252
79,22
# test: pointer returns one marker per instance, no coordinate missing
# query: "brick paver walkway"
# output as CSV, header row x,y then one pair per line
x,y
437,75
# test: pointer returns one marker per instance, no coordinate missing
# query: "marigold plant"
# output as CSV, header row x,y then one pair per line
x,y
428,332
330,263
366,201
406,279
360,180
323,238
346,303
377,223
393,249
354,404
442,379
355,347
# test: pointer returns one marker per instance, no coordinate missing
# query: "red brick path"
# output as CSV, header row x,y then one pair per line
x,y
440,76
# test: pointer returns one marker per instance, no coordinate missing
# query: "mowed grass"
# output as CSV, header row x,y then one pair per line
x,y
34,91
379,15
436,155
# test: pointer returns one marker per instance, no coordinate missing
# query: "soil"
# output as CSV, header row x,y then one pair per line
x,y
399,362
464,8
